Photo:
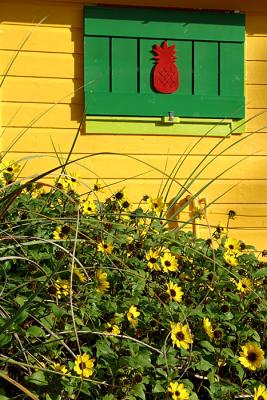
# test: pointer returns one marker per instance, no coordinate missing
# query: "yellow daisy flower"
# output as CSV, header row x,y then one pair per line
x,y
232,245
62,288
60,368
114,329
80,275
251,356
9,167
230,259
260,393
84,365
181,335
119,195
152,258
61,232
221,231
62,183
169,262
88,207
103,283
174,291
105,248
125,204
132,315
244,285
178,391
97,187
156,205
208,328
73,180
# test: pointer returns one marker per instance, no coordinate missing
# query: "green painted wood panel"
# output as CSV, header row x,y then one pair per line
x,y
124,65
158,104
146,65
151,22
231,69
96,65
119,69
206,73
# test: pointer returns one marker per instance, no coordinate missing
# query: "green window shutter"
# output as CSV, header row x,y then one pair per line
x,y
118,62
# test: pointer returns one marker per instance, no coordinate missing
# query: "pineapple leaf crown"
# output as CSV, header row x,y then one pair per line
x,y
164,52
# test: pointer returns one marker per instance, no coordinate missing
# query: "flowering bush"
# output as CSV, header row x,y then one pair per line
x,y
99,300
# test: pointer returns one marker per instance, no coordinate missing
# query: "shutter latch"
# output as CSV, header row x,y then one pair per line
x,y
171,119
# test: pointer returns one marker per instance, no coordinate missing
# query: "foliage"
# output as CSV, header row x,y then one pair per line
x,y
100,300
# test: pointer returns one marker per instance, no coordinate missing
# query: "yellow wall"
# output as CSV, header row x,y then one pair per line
x,y
48,69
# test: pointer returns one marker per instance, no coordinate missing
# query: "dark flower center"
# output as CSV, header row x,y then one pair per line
x,y
155,205
89,208
173,293
177,393
82,365
9,169
167,263
180,335
105,246
65,229
244,285
109,329
125,204
252,356
73,179
153,260
260,398
217,334
231,247
119,195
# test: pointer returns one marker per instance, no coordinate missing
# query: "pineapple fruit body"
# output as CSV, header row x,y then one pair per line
x,y
165,73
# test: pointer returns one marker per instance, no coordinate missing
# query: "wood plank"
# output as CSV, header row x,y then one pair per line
x,y
124,65
40,139
223,5
154,105
206,69
256,96
42,39
42,114
256,22
256,72
118,166
256,48
53,65
183,24
231,69
31,13
45,90
96,66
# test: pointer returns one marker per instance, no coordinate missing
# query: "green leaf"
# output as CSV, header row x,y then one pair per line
x,y
38,378
193,396
57,311
158,388
108,397
138,391
207,345
4,397
4,339
35,331
203,365
260,273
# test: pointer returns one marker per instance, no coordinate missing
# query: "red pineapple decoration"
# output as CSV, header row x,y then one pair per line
x,y
165,73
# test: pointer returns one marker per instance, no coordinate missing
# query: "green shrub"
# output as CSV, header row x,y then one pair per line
x,y
100,301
